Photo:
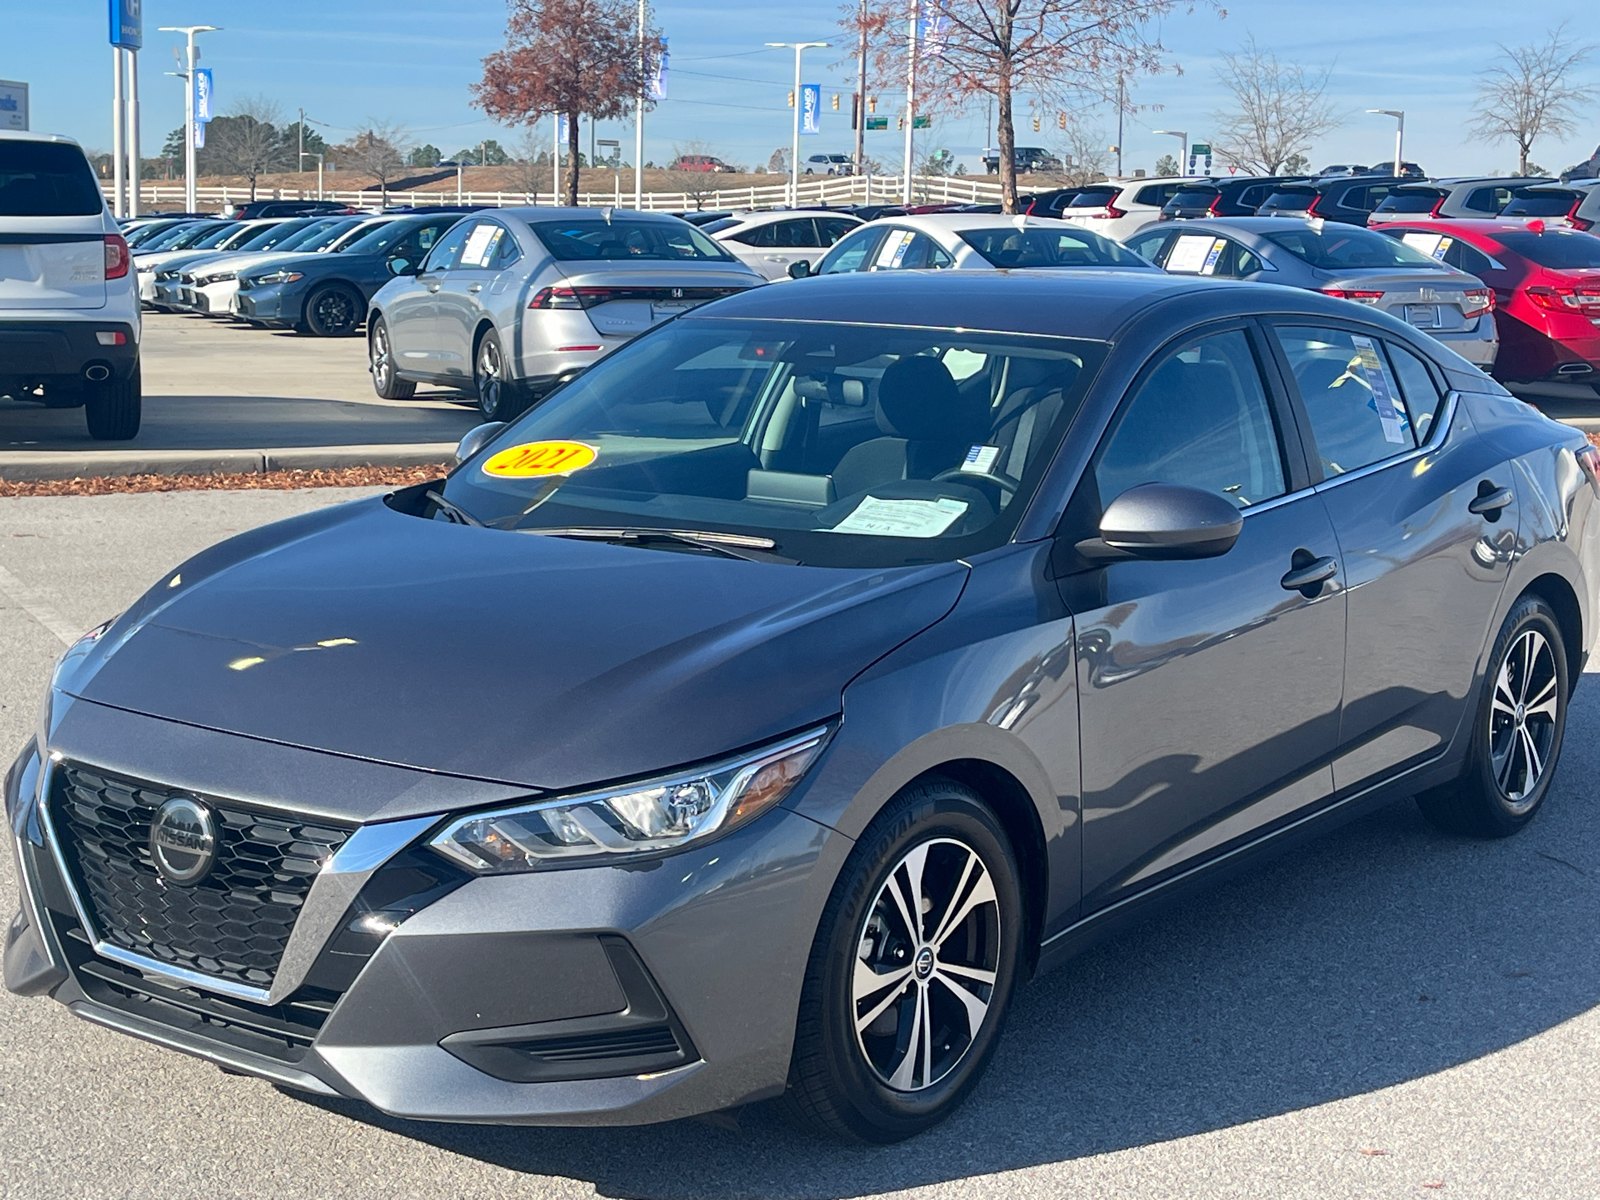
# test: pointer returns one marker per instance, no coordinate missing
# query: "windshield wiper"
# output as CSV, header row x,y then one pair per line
x,y
733,545
457,515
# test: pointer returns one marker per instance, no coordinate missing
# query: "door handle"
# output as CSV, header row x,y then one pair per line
x,y
433,287
1309,574
474,288
1490,500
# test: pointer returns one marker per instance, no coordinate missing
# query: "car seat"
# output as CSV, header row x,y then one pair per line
x,y
929,424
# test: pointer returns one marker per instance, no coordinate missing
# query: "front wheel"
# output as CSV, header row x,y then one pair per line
x,y
1517,732
333,311
380,356
912,969
114,408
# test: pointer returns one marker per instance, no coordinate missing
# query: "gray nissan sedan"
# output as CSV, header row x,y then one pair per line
x,y
762,708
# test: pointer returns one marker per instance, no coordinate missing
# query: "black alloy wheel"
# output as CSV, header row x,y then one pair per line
x,y
1517,732
496,394
380,357
333,310
912,970
114,408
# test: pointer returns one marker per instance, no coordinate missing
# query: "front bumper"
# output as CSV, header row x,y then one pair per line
x,y
274,302
452,1016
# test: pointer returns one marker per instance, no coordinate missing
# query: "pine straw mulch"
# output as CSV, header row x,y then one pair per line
x,y
107,485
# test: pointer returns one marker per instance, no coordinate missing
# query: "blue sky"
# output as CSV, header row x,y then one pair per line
x,y
411,61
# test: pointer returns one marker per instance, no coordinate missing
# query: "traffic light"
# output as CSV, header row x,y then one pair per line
x,y
1036,124
791,99
899,122
872,104
1061,120
836,102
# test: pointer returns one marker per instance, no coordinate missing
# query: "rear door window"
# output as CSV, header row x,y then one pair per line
x,y
854,253
831,229
1420,387
909,250
1157,194
1358,415
46,179
1487,199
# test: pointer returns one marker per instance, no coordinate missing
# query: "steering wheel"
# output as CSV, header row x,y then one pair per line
x,y
1000,481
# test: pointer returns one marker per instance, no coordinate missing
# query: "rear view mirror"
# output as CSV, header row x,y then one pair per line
x,y
799,269
1165,521
476,439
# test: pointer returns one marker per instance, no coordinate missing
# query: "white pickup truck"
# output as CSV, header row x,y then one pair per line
x,y
69,303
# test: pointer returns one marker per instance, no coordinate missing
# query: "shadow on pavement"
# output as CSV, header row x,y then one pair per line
x,y
1382,953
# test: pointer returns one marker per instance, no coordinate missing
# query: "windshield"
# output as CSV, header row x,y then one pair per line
x,y
273,235
846,445
720,224
1557,249
326,237
381,238
600,239
1008,246
1341,247
301,239
207,238
236,239
148,233
46,179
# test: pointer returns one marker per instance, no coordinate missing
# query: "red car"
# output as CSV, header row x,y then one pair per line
x,y
1546,285
699,162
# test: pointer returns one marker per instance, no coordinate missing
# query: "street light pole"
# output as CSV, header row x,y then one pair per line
x,y
638,122
118,135
794,165
911,100
192,60
133,133
1183,140
1399,136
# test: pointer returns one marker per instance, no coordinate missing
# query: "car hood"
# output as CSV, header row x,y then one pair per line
x,y
538,661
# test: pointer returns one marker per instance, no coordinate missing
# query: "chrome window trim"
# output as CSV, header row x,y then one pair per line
x,y
1441,430
368,848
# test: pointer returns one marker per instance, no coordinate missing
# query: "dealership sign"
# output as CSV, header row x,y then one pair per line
x,y
13,105
127,23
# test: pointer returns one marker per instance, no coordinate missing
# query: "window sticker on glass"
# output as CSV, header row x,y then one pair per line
x,y
1432,244
481,245
1195,254
1376,373
980,459
533,459
894,249
902,518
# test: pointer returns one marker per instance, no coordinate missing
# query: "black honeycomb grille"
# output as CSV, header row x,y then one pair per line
x,y
232,925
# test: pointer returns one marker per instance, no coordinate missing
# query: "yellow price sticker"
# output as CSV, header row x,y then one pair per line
x,y
532,459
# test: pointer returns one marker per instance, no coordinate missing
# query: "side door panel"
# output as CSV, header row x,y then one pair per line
x,y
461,296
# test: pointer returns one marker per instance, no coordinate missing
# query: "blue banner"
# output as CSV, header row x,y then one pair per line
x,y
203,92
658,84
811,108
127,24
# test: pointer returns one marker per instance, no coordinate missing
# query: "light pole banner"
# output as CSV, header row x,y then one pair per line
x,y
658,83
13,105
566,129
203,93
810,108
127,24
199,135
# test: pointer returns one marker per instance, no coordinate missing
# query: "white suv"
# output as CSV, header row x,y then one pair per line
x,y
69,301
1119,208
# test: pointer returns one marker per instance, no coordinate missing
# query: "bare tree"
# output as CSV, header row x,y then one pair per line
x,y
247,141
1279,110
1529,93
574,57
531,161
696,186
1061,51
379,150
1084,153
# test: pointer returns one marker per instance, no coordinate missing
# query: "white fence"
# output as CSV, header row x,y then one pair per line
x,y
831,190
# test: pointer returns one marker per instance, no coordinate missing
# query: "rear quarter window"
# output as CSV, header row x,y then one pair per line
x,y
47,179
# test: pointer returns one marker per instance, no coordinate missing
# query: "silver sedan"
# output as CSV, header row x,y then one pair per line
x,y
1338,260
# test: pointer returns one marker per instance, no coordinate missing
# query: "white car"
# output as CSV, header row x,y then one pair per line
x,y
211,285
770,242
972,242
158,271
69,304
1119,208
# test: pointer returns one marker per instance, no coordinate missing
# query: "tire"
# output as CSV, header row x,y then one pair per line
x,y
380,357
1517,731
497,395
113,409
862,1086
333,311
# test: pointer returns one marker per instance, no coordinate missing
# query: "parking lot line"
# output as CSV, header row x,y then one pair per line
x,y
34,603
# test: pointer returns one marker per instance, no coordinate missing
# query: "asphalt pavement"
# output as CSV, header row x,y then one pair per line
x,y
1385,1012
216,392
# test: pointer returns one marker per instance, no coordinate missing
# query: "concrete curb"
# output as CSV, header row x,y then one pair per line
x,y
91,464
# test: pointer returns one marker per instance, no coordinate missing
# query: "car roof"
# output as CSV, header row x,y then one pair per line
x,y
749,219
954,222
532,213
1084,303
27,135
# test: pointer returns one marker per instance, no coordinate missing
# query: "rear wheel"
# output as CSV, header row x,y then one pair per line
x,y
380,354
1517,733
912,969
497,399
333,311
114,408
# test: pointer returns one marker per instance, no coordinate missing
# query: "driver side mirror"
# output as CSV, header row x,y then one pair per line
x,y
476,439
400,266
1165,521
799,269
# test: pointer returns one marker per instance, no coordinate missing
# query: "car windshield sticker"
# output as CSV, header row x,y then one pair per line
x,y
894,249
1377,378
533,459
980,459
902,518
1432,244
1195,254
481,245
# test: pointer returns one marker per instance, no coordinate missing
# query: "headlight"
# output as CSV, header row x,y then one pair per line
x,y
42,733
275,277
666,813
220,277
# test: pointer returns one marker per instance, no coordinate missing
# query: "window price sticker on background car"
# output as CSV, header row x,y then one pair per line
x,y
902,518
533,459
894,249
1432,244
1383,391
980,459
1195,254
481,245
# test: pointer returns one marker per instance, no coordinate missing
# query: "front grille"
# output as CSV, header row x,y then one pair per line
x,y
232,925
